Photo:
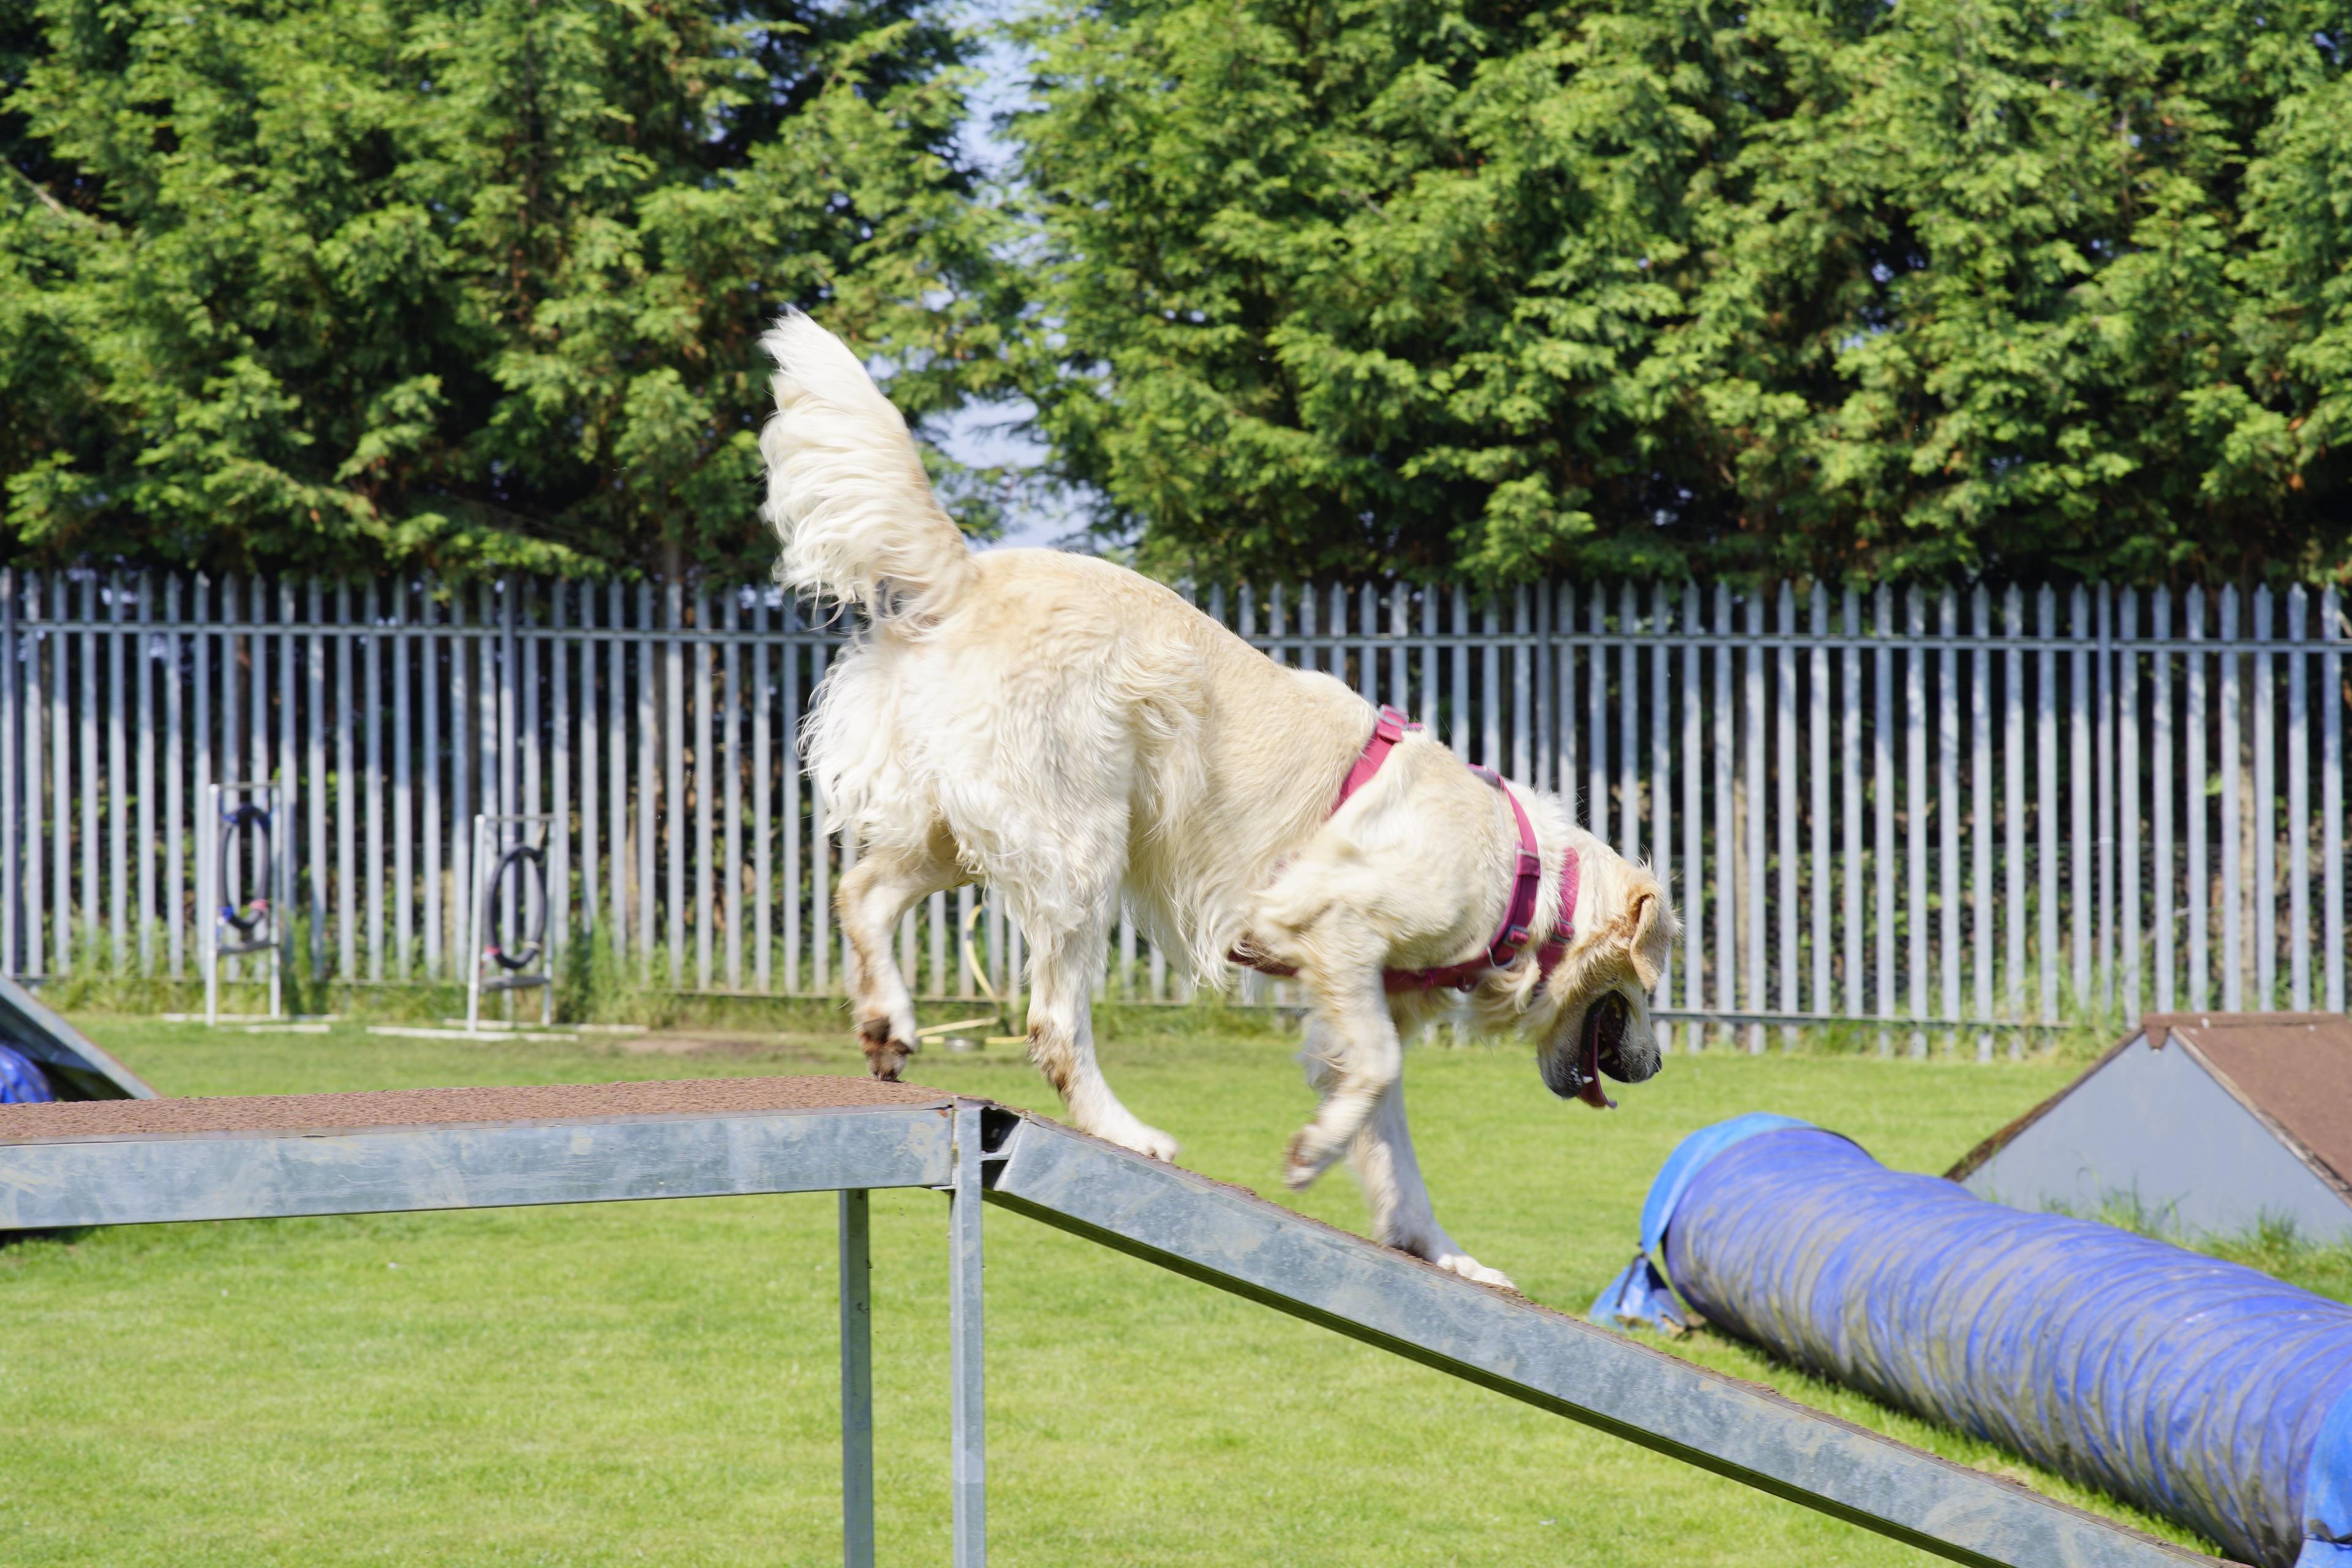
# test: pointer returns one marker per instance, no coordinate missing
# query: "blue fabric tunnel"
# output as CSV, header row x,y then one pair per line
x,y
22,1082
2203,1391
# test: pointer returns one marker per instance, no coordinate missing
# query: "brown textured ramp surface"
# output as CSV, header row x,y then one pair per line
x,y
413,1107
2296,1068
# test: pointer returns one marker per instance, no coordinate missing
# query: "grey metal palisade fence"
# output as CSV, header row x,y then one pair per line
x,y
1948,813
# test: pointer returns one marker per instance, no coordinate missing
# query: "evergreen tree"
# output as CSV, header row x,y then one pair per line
x,y
469,284
1837,286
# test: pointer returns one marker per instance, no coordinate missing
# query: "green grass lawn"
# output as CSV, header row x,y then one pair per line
x,y
632,1382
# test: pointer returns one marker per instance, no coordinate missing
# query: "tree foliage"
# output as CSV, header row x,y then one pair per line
x,y
1839,287
339,284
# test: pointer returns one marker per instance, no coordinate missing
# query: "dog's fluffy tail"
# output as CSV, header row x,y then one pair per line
x,y
847,490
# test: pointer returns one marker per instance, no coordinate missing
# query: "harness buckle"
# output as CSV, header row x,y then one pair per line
x,y
1391,725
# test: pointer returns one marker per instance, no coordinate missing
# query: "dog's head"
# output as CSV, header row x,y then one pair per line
x,y
1591,1017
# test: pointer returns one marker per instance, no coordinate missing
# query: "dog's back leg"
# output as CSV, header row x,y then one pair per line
x,y
1063,965
884,884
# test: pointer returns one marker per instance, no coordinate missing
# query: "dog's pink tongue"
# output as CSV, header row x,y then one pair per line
x,y
1593,1094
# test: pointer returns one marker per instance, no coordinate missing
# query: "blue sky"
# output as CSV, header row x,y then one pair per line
x,y
987,435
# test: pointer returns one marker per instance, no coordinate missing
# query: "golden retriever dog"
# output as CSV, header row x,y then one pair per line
x,y
1077,736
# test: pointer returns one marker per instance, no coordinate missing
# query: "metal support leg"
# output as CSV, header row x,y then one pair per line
x,y
969,1441
857,1386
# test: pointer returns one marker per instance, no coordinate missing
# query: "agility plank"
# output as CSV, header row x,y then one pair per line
x,y
1232,1239
148,1161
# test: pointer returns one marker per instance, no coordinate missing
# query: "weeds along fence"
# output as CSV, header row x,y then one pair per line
x,y
1930,813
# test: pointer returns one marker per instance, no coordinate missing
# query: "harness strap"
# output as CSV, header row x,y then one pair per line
x,y
1526,882
1390,726
1521,915
1563,931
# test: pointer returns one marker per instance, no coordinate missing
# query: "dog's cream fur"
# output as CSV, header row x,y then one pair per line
x,y
1078,737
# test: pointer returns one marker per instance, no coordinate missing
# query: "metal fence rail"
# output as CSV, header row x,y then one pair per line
x,y
1939,812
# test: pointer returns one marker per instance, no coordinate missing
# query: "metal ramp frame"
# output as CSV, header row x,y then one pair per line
x,y
126,1162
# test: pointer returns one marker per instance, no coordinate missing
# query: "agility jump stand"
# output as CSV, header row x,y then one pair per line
x,y
496,966
253,925
145,1162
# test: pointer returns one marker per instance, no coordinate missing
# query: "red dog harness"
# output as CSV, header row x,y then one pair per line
x,y
1517,919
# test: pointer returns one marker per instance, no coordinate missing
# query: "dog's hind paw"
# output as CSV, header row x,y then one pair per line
x,y
1148,1142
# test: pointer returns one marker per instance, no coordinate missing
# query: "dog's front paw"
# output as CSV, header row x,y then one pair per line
x,y
885,1053
1434,1245
1305,1159
1470,1268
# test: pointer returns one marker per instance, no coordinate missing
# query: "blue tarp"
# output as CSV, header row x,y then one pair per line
x,y
2200,1389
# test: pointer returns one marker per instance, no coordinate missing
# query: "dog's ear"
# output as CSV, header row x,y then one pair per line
x,y
1648,929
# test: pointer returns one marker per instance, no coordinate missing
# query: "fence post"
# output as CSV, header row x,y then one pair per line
x,y
1919,808
1726,835
2298,805
2233,949
1756,795
2127,769
2331,792
1784,720
14,782
1818,881
1695,965
1980,813
1662,776
2265,804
